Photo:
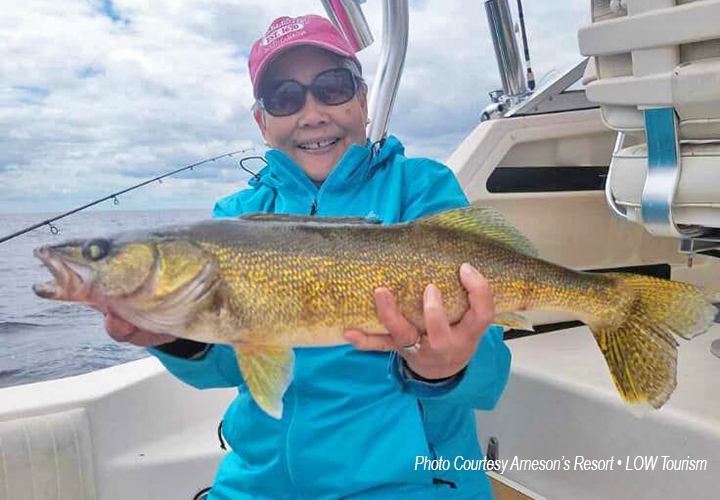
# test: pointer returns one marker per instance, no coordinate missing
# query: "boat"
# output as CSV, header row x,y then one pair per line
x,y
592,176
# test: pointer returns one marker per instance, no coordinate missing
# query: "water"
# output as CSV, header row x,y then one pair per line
x,y
42,339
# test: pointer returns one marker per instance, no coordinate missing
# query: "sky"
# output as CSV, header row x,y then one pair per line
x,y
99,95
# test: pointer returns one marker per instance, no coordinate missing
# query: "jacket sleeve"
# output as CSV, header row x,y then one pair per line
x,y
478,386
218,366
433,188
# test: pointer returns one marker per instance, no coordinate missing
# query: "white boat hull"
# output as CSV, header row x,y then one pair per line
x,y
130,431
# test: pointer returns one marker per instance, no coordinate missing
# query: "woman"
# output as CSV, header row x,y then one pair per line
x,y
361,420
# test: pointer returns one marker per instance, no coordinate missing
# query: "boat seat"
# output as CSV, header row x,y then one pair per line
x,y
47,456
655,53
655,71
694,93
696,199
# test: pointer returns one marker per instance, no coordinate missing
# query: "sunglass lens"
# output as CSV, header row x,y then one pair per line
x,y
286,98
335,86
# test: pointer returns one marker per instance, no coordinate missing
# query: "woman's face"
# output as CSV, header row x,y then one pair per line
x,y
318,135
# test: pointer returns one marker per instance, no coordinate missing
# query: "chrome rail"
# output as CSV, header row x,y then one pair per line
x,y
390,66
347,16
663,175
609,196
506,49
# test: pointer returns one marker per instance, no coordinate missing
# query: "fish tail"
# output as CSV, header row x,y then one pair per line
x,y
640,349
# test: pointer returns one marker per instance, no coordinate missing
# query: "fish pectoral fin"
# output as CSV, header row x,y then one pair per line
x,y
482,221
267,371
514,320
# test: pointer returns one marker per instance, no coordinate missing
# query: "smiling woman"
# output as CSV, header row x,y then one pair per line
x,y
364,416
330,109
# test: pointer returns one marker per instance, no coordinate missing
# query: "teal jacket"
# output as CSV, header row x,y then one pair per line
x,y
353,426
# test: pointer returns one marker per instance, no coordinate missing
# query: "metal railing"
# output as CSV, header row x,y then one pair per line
x,y
347,16
506,49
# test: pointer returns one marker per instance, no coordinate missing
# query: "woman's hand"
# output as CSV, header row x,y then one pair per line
x,y
444,349
122,331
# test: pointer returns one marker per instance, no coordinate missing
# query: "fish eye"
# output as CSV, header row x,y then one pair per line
x,y
96,249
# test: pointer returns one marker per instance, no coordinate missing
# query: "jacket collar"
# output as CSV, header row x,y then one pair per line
x,y
358,163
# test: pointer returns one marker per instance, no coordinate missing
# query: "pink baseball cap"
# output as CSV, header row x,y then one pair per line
x,y
287,32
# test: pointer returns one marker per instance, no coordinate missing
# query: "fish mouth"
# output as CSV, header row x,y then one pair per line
x,y
72,280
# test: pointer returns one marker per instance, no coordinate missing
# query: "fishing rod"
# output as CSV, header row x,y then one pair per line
x,y
530,76
113,196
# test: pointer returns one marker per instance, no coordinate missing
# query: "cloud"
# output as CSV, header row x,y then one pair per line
x,y
100,95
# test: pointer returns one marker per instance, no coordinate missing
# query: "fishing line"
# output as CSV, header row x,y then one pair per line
x,y
114,196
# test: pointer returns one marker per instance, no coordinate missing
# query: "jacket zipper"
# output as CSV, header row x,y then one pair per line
x,y
433,452
313,208
422,411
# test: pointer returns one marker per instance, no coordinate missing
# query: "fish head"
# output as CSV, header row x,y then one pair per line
x,y
96,269
153,282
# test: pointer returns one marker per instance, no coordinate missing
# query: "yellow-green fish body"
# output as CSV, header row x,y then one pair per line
x,y
266,283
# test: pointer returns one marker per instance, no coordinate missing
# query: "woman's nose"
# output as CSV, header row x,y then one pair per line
x,y
313,113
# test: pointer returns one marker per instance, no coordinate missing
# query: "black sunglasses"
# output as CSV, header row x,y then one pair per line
x,y
286,97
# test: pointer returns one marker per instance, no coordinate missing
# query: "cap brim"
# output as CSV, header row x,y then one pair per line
x,y
295,43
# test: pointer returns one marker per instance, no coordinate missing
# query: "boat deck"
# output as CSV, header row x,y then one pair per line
x,y
560,381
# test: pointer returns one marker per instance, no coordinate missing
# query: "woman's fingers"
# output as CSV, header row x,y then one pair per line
x,y
481,312
447,348
437,325
401,330
118,328
122,331
369,342
143,338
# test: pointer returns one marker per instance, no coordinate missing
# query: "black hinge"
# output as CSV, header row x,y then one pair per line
x,y
452,485
313,209
493,449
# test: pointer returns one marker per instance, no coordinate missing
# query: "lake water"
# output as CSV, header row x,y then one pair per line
x,y
42,339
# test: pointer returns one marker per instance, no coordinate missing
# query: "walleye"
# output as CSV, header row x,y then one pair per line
x,y
266,283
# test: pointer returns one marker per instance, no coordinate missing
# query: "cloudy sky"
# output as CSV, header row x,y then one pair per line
x,y
98,95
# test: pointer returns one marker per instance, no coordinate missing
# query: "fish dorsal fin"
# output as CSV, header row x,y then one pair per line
x,y
482,221
306,219
267,371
